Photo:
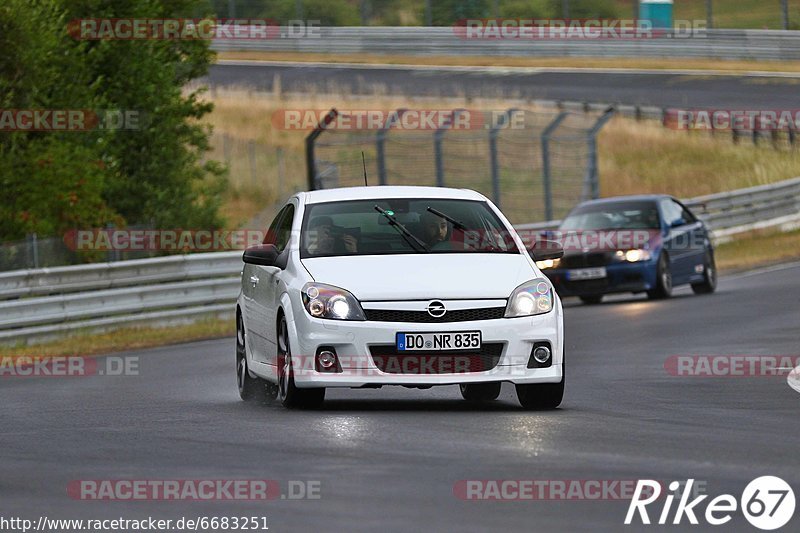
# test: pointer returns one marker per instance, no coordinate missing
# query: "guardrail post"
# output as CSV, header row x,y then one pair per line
x,y
592,183
546,173
493,159
311,165
33,249
437,147
380,144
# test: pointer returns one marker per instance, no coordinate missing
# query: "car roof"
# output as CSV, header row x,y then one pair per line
x,y
379,192
631,198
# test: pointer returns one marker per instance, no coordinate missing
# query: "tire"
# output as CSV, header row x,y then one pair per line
x,y
480,392
709,283
288,394
542,397
663,288
250,388
592,300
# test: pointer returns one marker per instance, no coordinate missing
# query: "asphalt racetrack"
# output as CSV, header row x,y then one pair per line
x,y
389,459
646,88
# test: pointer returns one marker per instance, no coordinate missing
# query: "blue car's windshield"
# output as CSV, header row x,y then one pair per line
x,y
613,216
403,226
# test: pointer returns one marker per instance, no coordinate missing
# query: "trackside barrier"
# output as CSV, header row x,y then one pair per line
x,y
43,304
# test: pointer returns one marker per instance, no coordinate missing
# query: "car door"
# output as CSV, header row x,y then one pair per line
x,y
254,278
681,231
267,291
696,250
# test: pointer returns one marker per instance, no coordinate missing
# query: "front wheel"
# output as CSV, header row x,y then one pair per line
x,y
709,283
663,288
480,392
542,397
288,394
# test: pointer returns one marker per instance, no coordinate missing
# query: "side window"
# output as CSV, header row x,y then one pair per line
x,y
272,233
673,212
284,230
688,216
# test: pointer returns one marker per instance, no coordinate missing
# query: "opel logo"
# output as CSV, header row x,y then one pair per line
x,y
436,309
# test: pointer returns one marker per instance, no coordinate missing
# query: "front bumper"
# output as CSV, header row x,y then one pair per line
x,y
352,342
621,277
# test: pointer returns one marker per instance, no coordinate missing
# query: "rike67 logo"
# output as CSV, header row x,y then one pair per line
x,y
767,503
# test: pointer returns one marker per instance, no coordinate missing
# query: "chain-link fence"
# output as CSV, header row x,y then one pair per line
x,y
535,165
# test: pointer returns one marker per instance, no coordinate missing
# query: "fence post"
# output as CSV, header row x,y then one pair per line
x,y
281,171
251,154
494,160
437,146
311,166
546,172
380,144
592,183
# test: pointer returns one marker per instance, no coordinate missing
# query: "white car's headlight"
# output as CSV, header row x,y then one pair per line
x,y
548,263
531,298
327,301
633,256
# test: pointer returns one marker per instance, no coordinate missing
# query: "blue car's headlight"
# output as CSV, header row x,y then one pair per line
x,y
633,256
327,301
534,297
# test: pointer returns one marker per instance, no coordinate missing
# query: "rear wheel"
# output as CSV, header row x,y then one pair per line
x,y
663,288
592,300
709,283
289,395
544,396
480,392
250,388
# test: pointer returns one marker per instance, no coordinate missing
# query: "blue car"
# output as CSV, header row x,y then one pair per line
x,y
632,244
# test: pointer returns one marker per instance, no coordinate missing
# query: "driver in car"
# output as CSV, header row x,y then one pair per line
x,y
324,237
434,229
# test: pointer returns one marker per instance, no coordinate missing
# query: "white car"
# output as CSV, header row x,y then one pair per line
x,y
414,286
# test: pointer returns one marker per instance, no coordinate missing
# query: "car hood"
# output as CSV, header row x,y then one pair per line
x,y
423,276
581,242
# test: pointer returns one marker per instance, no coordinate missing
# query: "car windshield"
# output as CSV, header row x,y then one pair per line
x,y
613,216
402,226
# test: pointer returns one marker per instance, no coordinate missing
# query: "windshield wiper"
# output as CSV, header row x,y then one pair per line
x,y
407,235
456,223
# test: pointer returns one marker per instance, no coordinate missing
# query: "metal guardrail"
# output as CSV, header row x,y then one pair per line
x,y
775,45
38,305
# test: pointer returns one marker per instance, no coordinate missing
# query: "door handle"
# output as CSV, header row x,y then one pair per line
x,y
254,280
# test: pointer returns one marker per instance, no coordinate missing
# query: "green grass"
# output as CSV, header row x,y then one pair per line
x,y
133,338
755,14
765,247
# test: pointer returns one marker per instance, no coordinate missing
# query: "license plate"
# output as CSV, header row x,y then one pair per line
x,y
586,273
435,342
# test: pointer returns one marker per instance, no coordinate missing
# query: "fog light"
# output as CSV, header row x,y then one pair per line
x,y
541,354
326,359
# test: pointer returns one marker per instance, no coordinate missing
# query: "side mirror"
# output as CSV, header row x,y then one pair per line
x,y
678,223
261,254
544,250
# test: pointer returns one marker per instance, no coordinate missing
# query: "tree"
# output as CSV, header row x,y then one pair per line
x,y
153,174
